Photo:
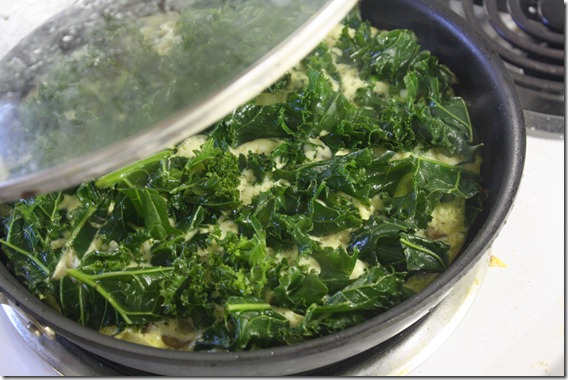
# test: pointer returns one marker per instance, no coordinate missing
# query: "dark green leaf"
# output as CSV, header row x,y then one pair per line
x,y
378,242
336,266
134,294
378,289
152,208
298,290
423,254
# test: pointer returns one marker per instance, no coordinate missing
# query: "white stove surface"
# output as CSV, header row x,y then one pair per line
x,y
515,326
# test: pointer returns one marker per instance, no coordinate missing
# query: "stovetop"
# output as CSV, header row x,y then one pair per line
x,y
529,36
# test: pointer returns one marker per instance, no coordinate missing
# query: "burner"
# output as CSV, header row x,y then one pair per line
x,y
529,36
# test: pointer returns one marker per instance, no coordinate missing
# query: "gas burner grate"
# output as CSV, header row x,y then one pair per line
x,y
529,36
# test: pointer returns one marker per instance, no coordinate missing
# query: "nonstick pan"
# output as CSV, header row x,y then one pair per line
x,y
497,115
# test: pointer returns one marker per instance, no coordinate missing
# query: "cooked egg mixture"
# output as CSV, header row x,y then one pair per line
x,y
448,219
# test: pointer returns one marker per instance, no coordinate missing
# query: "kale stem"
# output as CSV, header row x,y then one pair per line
x,y
130,272
27,254
52,216
79,226
248,307
55,206
88,280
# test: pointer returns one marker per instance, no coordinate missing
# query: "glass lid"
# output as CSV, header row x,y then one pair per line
x,y
104,83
